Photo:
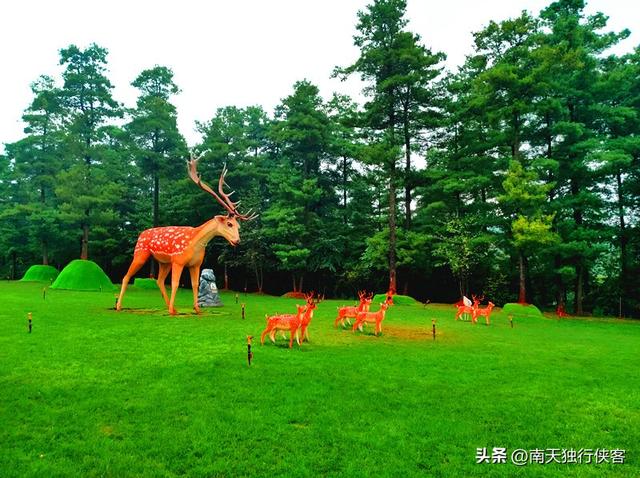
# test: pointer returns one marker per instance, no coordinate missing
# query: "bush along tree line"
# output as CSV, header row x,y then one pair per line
x,y
516,176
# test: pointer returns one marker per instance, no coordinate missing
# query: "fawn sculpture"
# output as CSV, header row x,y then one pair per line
x,y
486,312
372,317
351,312
468,309
177,247
283,322
308,315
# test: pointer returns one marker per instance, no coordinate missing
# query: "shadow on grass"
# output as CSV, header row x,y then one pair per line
x,y
165,313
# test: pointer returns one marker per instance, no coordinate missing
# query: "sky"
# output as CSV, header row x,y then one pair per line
x,y
241,52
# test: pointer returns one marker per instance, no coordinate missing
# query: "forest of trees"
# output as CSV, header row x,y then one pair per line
x,y
516,176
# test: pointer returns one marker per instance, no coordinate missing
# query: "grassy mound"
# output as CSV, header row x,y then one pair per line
x,y
83,275
145,283
397,299
528,310
40,273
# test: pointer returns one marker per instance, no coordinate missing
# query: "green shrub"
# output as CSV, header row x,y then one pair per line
x,y
143,283
40,273
528,310
397,299
83,275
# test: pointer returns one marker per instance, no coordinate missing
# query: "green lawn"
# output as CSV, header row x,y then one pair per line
x,y
92,392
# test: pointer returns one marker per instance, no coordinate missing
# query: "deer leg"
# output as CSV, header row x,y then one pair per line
x,y
176,272
138,261
162,276
264,334
194,271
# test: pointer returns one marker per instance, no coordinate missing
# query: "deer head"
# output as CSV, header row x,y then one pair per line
x,y
228,225
312,302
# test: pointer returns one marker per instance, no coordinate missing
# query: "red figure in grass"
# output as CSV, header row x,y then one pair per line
x,y
372,317
284,322
468,309
296,324
312,304
485,312
177,247
351,312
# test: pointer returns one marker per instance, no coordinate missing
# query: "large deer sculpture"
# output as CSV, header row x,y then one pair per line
x,y
177,247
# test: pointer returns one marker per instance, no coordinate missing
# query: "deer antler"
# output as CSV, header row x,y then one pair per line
x,y
222,198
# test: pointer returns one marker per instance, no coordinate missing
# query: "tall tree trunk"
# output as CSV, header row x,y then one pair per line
x,y
258,271
407,168
579,289
344,187
45,252
515,145
226,278
560,292
301,279
156,216
392,229
579,284
392,199
84,253
623,244
14,263
522,296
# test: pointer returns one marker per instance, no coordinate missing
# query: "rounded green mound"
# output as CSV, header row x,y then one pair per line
x,y
145,283
397,299
40,273
83,275
522,310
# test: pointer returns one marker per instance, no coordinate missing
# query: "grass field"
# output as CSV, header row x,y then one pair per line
x,y
92,392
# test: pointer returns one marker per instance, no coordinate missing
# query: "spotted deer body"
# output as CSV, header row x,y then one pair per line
x,y
468,309
351,312
485,312
372,317
284,322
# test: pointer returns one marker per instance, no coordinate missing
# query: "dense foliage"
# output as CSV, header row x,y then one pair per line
x,y
518,175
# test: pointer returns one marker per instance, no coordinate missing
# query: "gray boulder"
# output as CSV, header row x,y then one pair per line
x,y
208,291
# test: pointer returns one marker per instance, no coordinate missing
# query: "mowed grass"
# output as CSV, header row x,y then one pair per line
x,y
93,392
